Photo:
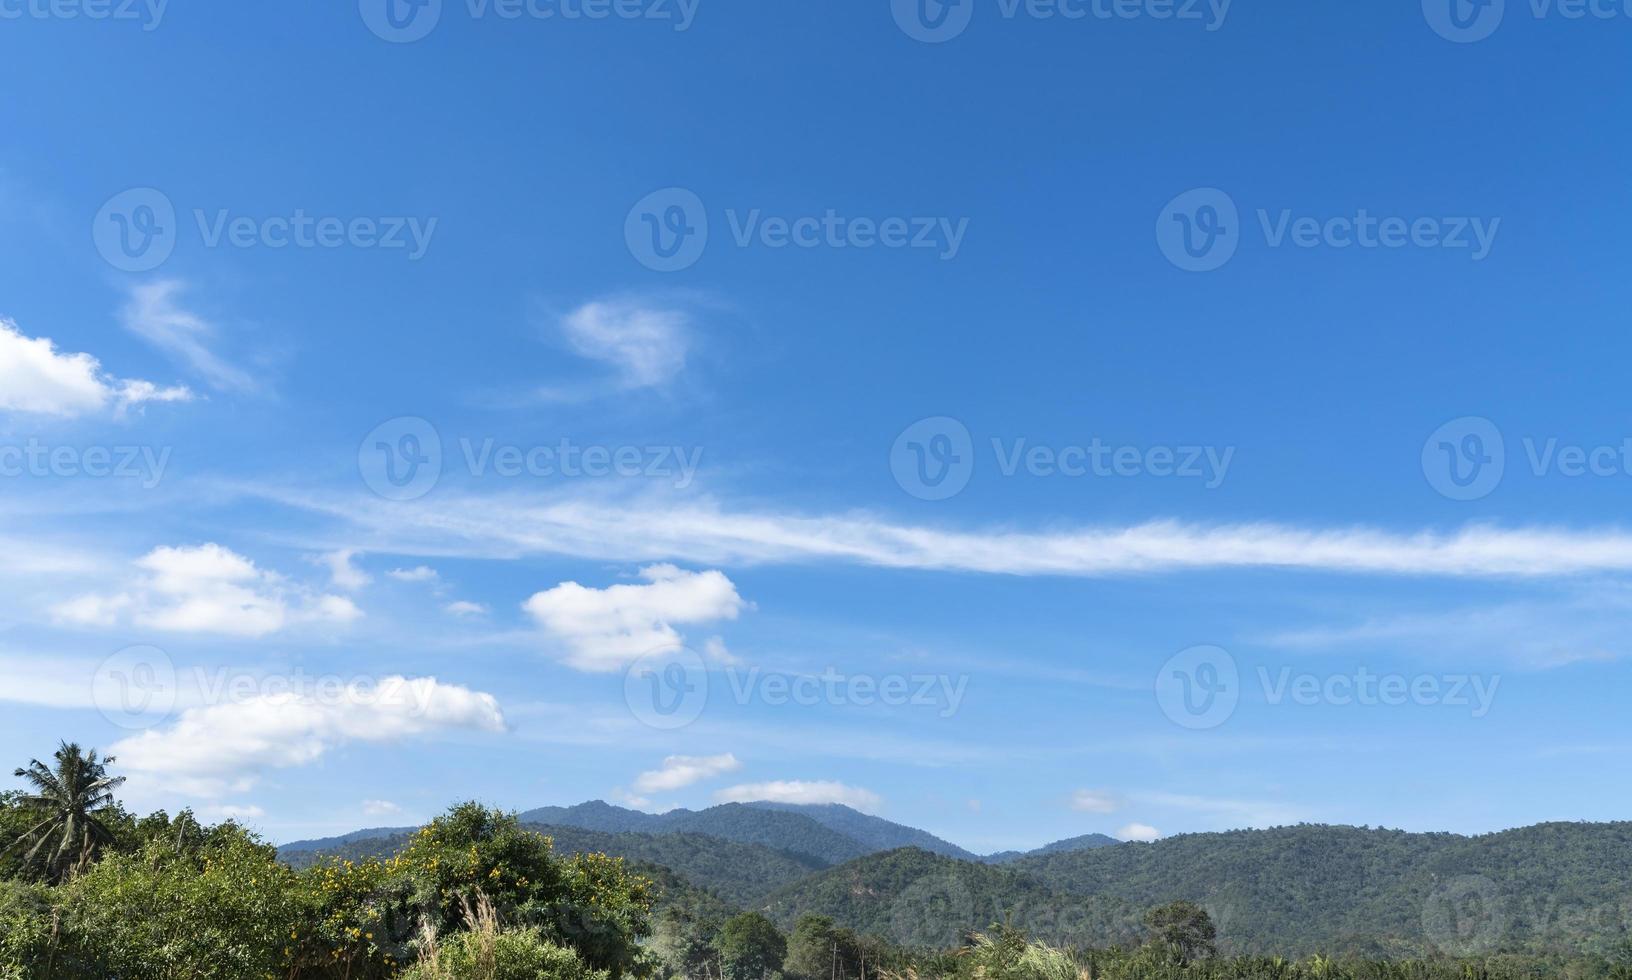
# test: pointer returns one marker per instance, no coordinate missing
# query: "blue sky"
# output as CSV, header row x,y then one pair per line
x,y
1360,437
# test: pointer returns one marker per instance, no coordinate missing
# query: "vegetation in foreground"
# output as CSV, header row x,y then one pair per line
x,y
91,892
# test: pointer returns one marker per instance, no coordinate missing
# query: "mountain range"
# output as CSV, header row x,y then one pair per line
x,y
1550,888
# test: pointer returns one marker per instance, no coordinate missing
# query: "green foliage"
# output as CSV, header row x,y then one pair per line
x,y
488,951
62,828
225,909
1185,928
751,947
916,899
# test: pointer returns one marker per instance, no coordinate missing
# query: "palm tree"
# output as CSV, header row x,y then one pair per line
x,y
68,800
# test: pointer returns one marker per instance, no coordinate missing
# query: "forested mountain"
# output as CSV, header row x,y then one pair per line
x,y
915,898
1550,888
737,873
1082,843
876,833
781,829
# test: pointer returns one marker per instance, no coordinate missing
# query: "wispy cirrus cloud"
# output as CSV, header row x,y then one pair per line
x,y
706,532
154,313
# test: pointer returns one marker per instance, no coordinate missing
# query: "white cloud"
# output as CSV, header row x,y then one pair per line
x,y
646,345
38,379
462,608
153,314
680,771
651,529
1095,801
606,629
223,748
342,573
1139,832
421,573
380,808
797,791
207,589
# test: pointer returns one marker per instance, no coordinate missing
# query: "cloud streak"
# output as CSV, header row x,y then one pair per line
x,y
498,526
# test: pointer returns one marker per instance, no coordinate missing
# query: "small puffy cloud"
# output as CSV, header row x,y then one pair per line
x,y
154,315
1139,832
207,589
797,791
343,573
38,379
680,771
645,344
1095,801
607,629
380,808
223,748
421,573
465,609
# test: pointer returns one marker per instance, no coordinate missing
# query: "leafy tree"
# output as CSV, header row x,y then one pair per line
x,y
751,947
813,949
685,943
67,802
591,903
1185,928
